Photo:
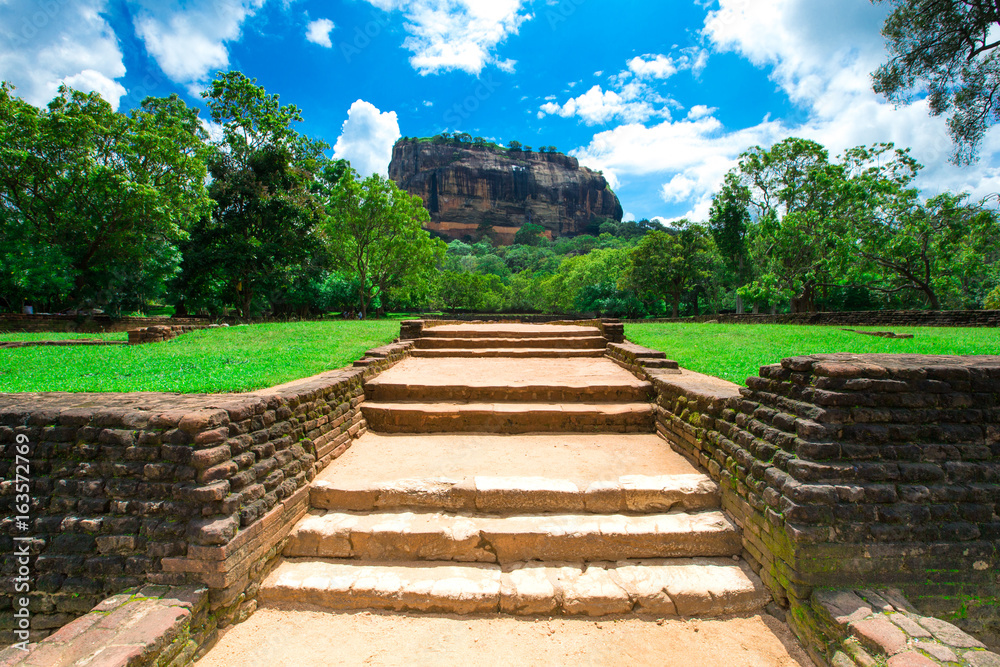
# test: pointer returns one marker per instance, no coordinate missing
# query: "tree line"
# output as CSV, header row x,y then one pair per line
x,y
115,211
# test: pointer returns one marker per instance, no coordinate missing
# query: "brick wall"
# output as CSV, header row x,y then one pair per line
x,y
870,318
857,470
134,489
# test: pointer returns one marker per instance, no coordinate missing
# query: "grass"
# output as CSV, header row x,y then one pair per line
x,y
736,351
49,335
229,359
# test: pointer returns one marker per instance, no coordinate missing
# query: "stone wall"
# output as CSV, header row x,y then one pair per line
x,y
857,470
869,318
134,489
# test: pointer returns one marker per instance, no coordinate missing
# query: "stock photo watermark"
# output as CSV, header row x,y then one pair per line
x,y
363,37
22,541
463,110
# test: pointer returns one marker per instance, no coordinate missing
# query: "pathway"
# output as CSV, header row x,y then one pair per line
x,y
511,469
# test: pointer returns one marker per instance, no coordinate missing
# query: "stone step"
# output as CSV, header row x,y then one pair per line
x,y
703,587
510,331
508,495
548,353
508,417
579,342
472,538
385,389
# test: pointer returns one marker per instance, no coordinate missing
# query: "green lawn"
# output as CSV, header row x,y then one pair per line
x,y
49,335
229,359
736,351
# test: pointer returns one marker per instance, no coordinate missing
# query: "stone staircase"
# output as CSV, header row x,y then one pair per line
x,y
579,510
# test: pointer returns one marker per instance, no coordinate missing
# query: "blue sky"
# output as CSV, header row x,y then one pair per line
x,y
661,95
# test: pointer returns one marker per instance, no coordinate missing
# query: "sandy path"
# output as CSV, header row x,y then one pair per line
x,y
312,637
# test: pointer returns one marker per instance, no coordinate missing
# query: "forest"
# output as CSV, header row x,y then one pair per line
x,y
146,212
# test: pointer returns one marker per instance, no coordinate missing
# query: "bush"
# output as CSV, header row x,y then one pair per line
x,y
993,299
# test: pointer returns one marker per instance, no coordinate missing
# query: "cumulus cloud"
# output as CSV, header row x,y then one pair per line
x,y
318,32
189,40
598,106
659,66
631,98
367,137
463,35
44,46
820,53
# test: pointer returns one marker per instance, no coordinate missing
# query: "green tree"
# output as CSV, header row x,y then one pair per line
x,y
730,223
948,47
377,233
93,202
263,176
926,248
529,234
668,265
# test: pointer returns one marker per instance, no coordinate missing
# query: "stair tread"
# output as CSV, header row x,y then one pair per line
x,y
509,407
509,331
508,352
664,587
408,535
508,494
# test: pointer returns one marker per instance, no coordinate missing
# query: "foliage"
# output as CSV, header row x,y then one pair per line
x,y
664,265
376,232
264,215
93,202
472,291
947,46
529,234
992,301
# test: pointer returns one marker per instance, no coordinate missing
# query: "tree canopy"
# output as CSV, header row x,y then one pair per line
x,y
947,47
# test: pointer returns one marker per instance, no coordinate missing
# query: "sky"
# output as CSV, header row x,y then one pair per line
x,y
660,95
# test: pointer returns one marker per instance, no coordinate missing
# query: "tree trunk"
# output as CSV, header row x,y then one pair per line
x,y
739,305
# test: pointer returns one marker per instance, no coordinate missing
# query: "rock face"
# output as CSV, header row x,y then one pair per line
x,y
472,191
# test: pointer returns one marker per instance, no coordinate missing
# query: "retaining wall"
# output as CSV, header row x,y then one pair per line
x,y
857,470
135,489
869,318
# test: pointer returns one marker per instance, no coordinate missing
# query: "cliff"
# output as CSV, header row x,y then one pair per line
x,y
471,191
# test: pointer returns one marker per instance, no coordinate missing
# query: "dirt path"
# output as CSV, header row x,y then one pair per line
x,y
303,638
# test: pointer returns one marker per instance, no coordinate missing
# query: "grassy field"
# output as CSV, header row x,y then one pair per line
x,y
736,351
49,335
230,359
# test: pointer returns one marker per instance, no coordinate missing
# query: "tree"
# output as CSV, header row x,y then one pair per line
x,y
924,248
729,223
949,47
514,145
377,233
529,234
93,202
263,175
668,265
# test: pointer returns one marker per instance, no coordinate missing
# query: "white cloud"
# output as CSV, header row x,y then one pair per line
x,y
659,66
820,53
45,45
367,137
189,40
598,106
463,35
318,32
